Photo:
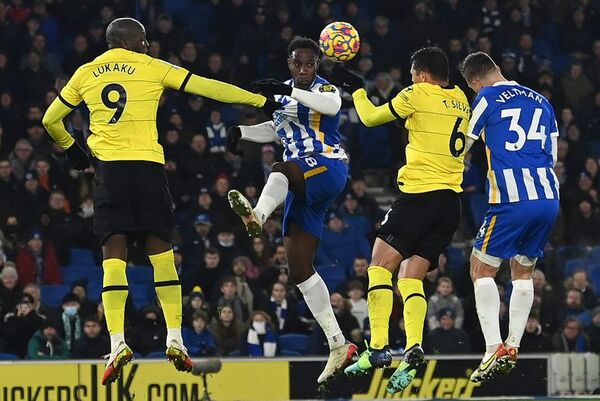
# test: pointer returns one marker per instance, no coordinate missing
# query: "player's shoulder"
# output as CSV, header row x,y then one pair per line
x,y
321,85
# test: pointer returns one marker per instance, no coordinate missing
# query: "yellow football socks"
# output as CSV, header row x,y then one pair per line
x,y
415,309
167,287
380,299
114,294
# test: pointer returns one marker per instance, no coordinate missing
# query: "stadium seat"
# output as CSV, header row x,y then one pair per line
x,y
293,342
140,275
333,275
575,264
595,254
140,294
594,277
8,357
479,205
94,291
156,355
561,371
286,352
73,273
577,372
81,257
53,294
592,370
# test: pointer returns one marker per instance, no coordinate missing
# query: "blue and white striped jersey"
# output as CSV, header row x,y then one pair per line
x,y
517,125
304,131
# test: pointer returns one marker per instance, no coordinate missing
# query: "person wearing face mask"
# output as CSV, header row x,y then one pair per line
x,y
259,339
149,335
69,322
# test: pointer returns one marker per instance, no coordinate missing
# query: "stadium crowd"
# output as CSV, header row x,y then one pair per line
x,y
237,295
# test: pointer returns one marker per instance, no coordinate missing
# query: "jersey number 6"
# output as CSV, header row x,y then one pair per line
x,y
118,105
456,135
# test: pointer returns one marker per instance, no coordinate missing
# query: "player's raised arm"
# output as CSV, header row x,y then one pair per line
x,y
66,101
327,101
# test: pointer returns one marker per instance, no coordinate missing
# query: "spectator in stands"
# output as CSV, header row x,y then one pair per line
x,y
260,254
366,201
10,289
242,268
356,296
340,244
359,273
584,228
21,158
444,299
545,301
282,310
36,261
579,281
397,336
574,308
92,344
195,303
260,338
87,307
230,298
149,335
41,308
534,338
197,339
210,273
70,325
353,214
348,324
32,200
446,338
20,325
593,331
46,343
571,337
217,133
65,228
227,331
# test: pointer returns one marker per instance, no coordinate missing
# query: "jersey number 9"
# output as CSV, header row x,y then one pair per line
x,y
455,137
118,105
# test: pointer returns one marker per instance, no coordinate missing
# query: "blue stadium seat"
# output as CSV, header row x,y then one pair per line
x,y
94,291
156,355
141,294
333,275
293,342
8,357
575,264
479,205
81,257
595,254
53,294
594,277
73,273
140,275
287,352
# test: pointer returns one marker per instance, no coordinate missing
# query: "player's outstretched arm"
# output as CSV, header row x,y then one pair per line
x,y
369,114
259,133
327,101
53,121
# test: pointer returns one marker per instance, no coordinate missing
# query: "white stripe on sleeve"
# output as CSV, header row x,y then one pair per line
x,y
477,112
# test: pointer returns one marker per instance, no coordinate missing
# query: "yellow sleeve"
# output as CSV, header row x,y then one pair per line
x,y
222,92
53,121
402,105
369,114
168,74
69,94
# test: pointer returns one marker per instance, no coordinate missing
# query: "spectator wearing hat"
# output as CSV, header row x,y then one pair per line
x,y
149,335
195,302
87,307
340,244
20,325
593,332
446,338
260,337
444,299
197,339
227,331
10,288
570,337
356,294
92,344
31,200
282,310
70,323
46,343
37,262
354,215
534,338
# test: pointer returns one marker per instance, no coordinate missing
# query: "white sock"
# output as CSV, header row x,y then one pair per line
x,y
115,340
521,301
487,300
316,297
174,334
273,195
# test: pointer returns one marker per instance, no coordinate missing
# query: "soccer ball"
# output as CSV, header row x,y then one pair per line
x,y
339,41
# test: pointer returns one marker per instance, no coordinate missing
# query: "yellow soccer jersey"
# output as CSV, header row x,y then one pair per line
x,y
437,119
122,90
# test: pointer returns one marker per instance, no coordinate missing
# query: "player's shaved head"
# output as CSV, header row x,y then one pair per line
x,y
476,66
127,33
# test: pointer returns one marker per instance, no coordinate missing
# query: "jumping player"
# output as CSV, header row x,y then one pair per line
x,y
520,133
421,222
122,88
313,174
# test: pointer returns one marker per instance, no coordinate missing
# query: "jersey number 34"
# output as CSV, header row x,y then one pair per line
x,y
535,132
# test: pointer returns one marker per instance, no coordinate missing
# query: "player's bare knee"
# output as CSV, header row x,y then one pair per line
x,y
521,267
483,265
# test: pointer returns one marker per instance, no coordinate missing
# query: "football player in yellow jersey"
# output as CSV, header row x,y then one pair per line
x,y
122,88
421,222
